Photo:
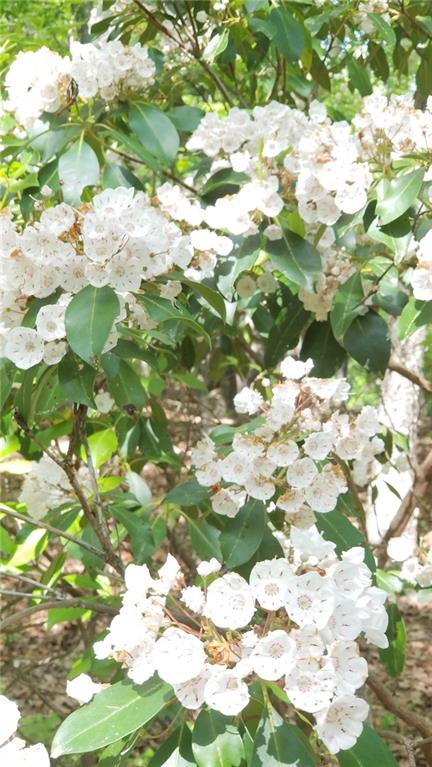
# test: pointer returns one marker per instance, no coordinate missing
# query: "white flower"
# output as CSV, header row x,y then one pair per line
x,y
228,502
170,290
230,602
54,351
246,286
209,473
267,283
273,656
194,598
318,445
207,568
301,473
104,402
322,494
309,599
178,656
24,347
345,622
283,453
247,401
351,670
9,718
291,501
341,723
82,688
191,693
268,581
294,369
309,685
50,322
203,452
226,693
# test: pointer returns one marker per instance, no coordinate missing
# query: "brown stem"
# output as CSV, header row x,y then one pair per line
x,y
53,530
49,604
420,381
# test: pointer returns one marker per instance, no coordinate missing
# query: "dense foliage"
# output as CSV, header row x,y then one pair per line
x,y
228,203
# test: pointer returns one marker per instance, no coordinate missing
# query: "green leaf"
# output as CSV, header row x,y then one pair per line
x,y
414,315
77,168
243,534
359,77
393,656
77,379
295,258
113,713
205,539
186,118
216,742
278,743
89,319
367,341
346,305
212,297
320,344
288,35
396,196
337,528
189,493
176,751
7,376
286,330
102,445
369,751
216,46
125,386
383,27
160,310
155,131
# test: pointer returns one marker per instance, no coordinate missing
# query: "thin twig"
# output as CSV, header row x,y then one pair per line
x,y
392,704
54,530
49,604
420,381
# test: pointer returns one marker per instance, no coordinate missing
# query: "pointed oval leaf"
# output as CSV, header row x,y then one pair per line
x,y
77,168
296,258
320,344
279,744
89,319
243,534
393,656
113,713
155,131
367,341
369,751
216,742
77,379
346,305
397,195
125,386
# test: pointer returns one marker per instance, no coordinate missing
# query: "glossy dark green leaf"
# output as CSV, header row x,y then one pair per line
x,y
126,388
176,751
288,35
205,539
155,131
286,330
7,375
77,168
217,44
296,258
367,341
393,656
321,346
369,751
189,493
346,305
397,195
89,319
414,315
212,297
77,379
120,709
359,77
216,742
335,527
279,744
243,534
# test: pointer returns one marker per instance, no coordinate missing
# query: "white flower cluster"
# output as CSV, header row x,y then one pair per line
x,y
277,463
110,70
120,240
337,267
38,81
321,157
393,126
13,750
47,486
295,622
421,279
